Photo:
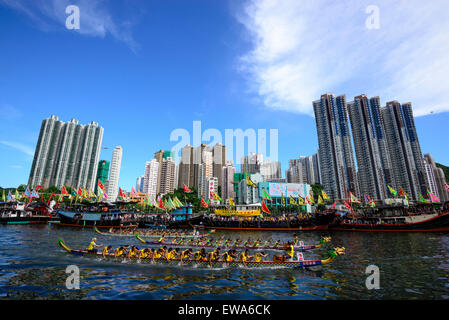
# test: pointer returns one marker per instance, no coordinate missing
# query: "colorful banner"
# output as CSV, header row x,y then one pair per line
x,y
239,213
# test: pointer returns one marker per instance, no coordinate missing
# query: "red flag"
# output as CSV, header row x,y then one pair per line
x,y
121,193
333,206
161,204
265,208
347,206
401,192
100,185
80,192
187,190
64,191
204,204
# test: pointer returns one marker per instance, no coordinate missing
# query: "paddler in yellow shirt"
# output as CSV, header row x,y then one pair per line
x,y
244,256
118,252
92,245
132,252
185,255
290,251
106,251
213,256
259,255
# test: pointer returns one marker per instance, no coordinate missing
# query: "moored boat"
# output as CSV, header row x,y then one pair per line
x,y
249,218
216,264
99,215
14,212
417,218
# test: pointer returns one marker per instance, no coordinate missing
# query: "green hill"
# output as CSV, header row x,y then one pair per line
x,y
445,169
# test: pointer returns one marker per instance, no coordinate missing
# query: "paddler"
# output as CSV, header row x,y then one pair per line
x,y
132,252
232,255
170,254
259,255
162,239
142,254
213,256
227,242
296,239
119,251
244,256
248,242
290,251
185,254
92,245
200,255
106,251
157,254
257,243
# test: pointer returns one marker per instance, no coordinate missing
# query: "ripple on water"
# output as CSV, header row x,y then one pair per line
x,y
412,266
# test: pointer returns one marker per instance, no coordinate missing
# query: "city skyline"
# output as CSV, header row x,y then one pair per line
x,y
199,72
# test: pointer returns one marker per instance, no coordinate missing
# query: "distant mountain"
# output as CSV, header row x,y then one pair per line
x,y
445,169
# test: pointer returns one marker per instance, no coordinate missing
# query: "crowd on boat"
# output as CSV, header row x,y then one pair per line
x,y
275,219
152,232
113,217
201,255
383,214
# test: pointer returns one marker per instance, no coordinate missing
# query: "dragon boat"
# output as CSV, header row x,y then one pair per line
x,y
282,247
332,254
189,235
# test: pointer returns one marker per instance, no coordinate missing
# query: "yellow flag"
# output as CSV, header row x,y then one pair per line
x,y
249,182
292,201
325,196
231,202
320,200
311,198
215,196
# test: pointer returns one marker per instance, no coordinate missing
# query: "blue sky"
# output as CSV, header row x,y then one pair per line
x,y
144,68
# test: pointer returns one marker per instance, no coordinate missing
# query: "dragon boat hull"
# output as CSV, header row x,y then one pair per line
x,y
207,264
189,236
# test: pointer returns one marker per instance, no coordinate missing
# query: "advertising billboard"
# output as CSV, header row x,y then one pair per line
x,y
288,189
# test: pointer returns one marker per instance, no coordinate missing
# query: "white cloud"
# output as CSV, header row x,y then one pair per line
x,y
302,49
8,112
16,166
19,146
95,17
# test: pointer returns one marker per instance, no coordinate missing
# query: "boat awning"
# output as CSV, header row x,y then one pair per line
x,y
88,216
67,214
91,216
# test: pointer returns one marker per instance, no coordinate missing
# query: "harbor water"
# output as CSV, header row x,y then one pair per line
x,y
411,265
